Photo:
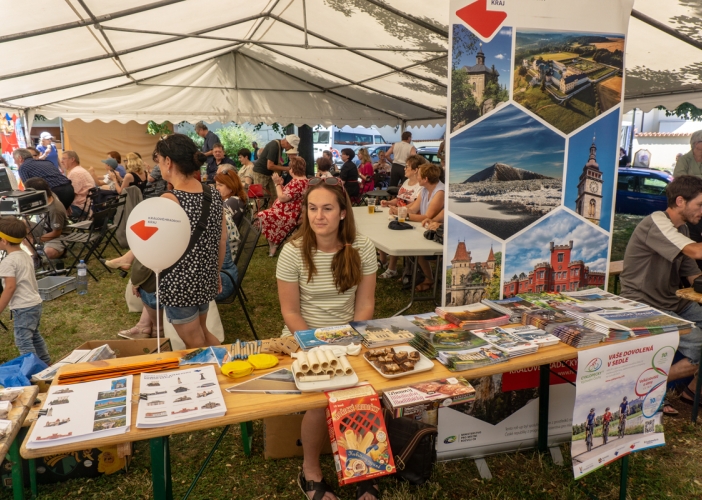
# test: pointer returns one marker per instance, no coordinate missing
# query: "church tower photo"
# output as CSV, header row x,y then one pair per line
x,y
589,201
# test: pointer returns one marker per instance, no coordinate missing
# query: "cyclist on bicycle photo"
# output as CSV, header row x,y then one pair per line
x,y
590,428
623,412
606,419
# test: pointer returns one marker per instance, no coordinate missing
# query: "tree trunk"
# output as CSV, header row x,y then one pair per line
x,y
306,147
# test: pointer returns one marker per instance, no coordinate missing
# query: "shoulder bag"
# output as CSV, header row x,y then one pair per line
x,y
413,446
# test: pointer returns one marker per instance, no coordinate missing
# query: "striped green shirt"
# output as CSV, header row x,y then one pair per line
x,y
321,304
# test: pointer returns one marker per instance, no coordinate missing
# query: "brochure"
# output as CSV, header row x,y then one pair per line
x,y
506,342
332,335
385,332
278,382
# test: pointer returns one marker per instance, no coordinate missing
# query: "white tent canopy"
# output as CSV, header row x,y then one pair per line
x,y
355,62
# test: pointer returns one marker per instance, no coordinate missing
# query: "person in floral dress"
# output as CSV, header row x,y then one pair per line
x,y
277,221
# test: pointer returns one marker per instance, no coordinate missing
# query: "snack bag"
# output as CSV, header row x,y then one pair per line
x,y
358,435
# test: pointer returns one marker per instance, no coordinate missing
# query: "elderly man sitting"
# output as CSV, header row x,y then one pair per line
x,y
82,182
60,185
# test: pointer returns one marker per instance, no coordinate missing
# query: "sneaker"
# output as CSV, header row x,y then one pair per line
x,y
389,273
136,334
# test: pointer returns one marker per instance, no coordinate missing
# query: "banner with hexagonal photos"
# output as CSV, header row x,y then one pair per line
x,y
533,122
534,111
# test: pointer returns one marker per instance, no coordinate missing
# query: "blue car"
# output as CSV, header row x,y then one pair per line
x,y
641,191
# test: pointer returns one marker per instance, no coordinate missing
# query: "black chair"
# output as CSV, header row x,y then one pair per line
x,y
113,225
249,239
90,198
149,191
83,245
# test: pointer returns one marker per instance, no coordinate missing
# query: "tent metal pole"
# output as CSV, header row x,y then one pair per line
x,y
383,75
366,56
410,18
407,101
260,42
304,19
133,49
27,136
81,23
665,28
631,135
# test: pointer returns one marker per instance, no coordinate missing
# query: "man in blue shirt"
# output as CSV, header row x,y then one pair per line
x,y
28,167
47,149
210,140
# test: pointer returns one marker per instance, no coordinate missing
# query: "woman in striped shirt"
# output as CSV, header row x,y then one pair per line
x,y
326,277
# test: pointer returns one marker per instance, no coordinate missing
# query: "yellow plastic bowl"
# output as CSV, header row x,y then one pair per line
x,y
236,369
263,361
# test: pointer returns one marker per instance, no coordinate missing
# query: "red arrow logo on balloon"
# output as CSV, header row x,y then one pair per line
x,y
142,230
484,21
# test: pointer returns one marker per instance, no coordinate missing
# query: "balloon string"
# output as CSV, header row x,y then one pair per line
x,y
158,317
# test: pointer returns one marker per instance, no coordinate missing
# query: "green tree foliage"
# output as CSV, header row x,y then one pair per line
x,y
496,92
604,56
464,42
522,70
686,111
233,138
463,105
492,291
160,129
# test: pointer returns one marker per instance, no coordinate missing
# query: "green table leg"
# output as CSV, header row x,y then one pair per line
x,y
247,437
696,400
17,473
544,381
161,468
624,478
33,478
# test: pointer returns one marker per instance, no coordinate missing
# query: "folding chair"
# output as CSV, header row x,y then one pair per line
x,y
113,226
87,243
242,260
87,205
258,197
149,191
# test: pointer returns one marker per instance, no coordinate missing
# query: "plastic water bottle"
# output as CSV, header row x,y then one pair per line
x,y
82,279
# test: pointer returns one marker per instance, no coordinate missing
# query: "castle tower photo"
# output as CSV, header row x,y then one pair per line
x,y
469,279
589,201
480,75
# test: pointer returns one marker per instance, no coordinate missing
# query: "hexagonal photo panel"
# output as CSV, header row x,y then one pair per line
x,y
567,78
561,253
473,266
480,74
591,170
506,172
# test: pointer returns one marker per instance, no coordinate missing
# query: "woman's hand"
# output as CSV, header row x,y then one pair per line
x,y
135,291
393,210
383,203
111,175
277,180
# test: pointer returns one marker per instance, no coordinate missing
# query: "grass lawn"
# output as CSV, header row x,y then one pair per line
x,y
557,56
667,472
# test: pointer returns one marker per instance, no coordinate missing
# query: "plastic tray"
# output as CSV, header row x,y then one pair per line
x,y
423,365
55,286
326,385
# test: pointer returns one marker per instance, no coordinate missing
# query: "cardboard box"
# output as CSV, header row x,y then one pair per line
x,y
121,348
359,438
422,401
281,437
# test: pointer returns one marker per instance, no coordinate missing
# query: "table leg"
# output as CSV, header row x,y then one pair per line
x,y
33,478
247,437
624,477
17,473
544,381
161,468
414,283
696,400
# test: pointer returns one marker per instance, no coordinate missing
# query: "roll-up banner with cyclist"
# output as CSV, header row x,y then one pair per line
x,y
619,400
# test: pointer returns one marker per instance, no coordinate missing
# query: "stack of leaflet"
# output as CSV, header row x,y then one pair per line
x,y
546,319
506,342
578,336
473,358
385,332
532,334
644,322
514,307
473,316
593,301
432,343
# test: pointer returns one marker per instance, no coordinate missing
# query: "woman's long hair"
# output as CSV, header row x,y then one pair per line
x,y
363,156
346,264
231,179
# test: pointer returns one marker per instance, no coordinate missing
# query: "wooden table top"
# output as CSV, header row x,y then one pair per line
x,y
251,406
18,414
689,294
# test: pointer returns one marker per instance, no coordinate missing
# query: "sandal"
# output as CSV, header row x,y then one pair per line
x,y
690,400
423,287
320,488
670,412
370,487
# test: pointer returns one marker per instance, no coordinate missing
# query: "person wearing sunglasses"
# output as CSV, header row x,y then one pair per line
x,y
326,277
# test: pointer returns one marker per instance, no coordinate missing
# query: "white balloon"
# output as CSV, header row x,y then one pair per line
x,y
158,232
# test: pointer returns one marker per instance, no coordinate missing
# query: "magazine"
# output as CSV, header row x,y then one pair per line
x,y
472,358
514,306
506,342
430,343
180,396
532,334
278,382
82,412
431,322
332,335
647,319
385,332
473,316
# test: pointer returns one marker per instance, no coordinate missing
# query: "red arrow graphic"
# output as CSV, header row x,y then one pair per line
x,y
143,231
484,21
